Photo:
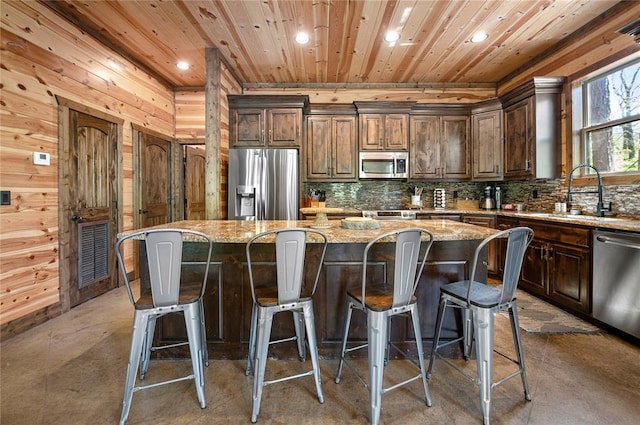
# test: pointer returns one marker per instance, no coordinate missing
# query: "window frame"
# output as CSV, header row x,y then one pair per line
x,y
578,116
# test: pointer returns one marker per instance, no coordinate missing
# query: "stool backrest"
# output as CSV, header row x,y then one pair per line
x,y
407,271
164,258
518,240
290,248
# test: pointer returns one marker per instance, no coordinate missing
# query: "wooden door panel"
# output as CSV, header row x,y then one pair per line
x,y
90,198
318,147
344,152
155,178
425,149
395,132
194,182
455,147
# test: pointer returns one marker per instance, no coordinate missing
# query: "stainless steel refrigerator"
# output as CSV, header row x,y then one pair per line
x,y
263,184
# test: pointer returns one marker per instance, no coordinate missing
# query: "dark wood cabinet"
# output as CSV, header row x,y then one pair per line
x,y
486,126
532,129
492,248
266,121
557,265
383,125
384,132
331,150
440,145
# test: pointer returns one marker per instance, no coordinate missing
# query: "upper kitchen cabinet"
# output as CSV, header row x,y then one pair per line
x,y
532,129
384,125
266,121
486,127
440,142
331,150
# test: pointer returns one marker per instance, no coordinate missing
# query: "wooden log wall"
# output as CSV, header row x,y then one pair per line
x,y
45,58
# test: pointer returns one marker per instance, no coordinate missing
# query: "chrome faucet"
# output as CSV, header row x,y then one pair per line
x,y
600,208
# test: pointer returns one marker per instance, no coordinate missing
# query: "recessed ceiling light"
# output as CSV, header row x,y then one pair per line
x,y
391,37
183,65
302,37
479,36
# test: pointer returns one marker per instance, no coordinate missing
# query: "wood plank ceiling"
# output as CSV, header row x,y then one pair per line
x,y
346,47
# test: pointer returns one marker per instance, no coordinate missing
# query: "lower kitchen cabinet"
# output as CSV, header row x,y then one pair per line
x,y
556,266
492,248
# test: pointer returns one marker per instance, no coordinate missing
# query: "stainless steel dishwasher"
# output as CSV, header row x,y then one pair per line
x,y
616,280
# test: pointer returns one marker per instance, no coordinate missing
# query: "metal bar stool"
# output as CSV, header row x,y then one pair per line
x,y
381,303
171,292
481,301
287,293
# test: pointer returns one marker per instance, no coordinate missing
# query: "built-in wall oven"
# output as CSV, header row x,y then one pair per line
x,y
616,280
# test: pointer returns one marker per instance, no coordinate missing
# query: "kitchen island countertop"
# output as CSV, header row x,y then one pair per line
x,y
238,231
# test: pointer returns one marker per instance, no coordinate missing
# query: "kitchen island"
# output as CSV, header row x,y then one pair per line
x,y
228,295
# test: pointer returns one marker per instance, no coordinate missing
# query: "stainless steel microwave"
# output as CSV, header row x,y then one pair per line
x,y
384,165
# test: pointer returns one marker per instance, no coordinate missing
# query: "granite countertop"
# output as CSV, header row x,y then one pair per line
x,y
237,231
618,223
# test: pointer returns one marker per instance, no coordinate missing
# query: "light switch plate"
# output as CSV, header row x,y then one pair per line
x,y
41,158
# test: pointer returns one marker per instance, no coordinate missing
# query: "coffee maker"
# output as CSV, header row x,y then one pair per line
x,y
489,201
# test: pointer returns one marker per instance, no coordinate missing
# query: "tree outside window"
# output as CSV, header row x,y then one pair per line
x,y
612,115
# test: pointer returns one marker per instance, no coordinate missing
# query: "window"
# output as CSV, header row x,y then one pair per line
x,y
610,136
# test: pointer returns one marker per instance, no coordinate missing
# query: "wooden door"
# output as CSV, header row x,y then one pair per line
x,y
519,139
455,147
247,128
88,164
371,131
155,169
425,148
194,182
344,152
284,127
395,132
487,146
318,147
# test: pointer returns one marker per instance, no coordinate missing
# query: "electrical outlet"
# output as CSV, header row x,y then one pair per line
x,y
535,193
5,197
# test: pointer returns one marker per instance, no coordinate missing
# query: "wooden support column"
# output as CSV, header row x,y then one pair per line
x,y
212,137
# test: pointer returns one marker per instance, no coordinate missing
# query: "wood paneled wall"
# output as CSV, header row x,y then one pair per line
x,y
44,58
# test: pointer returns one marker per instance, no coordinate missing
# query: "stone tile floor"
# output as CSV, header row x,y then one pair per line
x,y
71,369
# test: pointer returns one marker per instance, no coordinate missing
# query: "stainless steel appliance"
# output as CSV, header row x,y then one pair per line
x,y
384,165
488,202
390,214
263,184
616,280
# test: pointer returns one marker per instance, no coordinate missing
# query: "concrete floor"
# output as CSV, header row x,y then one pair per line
x,y
71,370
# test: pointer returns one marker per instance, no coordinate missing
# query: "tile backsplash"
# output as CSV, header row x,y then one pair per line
x,y
536,195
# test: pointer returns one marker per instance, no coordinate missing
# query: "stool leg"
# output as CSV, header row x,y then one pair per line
x,y
467,332
313,347
263,334
344,340
138,335
415,318
147,344
436,337
252,341
192,322
205,350
377,338
298,324
483,326
515,328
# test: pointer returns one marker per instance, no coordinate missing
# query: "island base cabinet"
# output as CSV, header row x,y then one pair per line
x,y
228,301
